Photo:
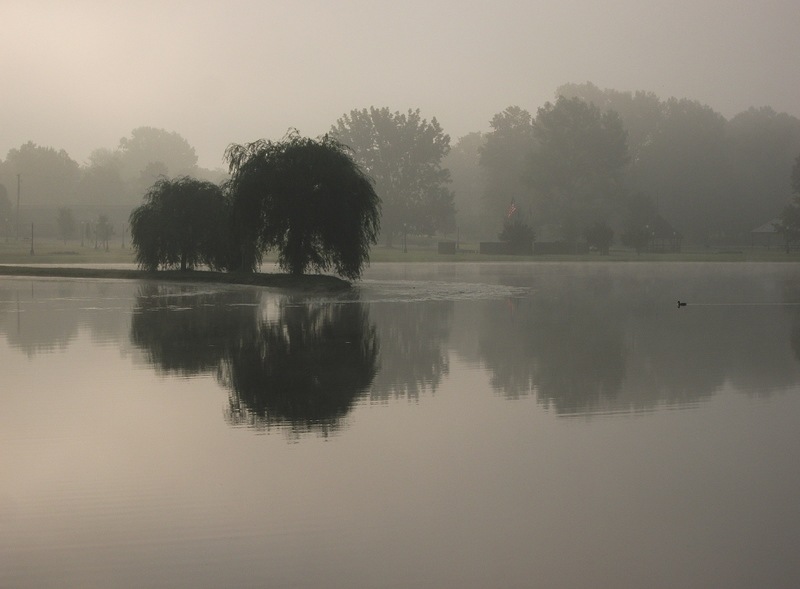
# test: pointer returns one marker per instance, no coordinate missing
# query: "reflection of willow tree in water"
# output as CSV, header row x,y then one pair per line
x,y
413,356
283,361
186,331
306,368
587,343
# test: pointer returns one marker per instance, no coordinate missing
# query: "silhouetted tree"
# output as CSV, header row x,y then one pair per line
x,y
403,153
306,198
182,223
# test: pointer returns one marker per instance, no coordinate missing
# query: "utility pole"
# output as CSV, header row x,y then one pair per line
x,y
19,181
31,238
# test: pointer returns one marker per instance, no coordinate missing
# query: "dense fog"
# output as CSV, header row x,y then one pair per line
x,y
691,121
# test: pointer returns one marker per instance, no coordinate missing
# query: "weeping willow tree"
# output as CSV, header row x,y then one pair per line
x,y
181,224
305,198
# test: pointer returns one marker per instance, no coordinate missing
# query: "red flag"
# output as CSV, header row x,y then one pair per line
x,y
511,210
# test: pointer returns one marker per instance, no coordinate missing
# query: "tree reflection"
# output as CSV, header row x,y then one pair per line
x,y
560,344
414,354
285,361
44,316
304,368
188,332
587,342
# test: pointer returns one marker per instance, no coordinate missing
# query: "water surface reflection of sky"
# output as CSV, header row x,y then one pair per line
x,y
441,425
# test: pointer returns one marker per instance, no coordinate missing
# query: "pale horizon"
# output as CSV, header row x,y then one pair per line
x,y
82,75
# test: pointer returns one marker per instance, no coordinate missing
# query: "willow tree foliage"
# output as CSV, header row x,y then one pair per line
x,y
306,198
182,223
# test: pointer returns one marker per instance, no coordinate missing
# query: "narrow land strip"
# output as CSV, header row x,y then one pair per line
x,y
309,282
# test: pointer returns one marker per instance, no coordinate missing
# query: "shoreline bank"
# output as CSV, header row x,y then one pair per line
x,y
316,282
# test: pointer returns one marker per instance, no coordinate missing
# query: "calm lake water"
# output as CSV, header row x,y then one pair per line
x,y
443,425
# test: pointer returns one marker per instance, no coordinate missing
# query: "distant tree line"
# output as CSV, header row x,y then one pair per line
x,y
628,161
595,165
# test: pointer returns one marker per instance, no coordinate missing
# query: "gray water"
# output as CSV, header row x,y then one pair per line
x,y
444,425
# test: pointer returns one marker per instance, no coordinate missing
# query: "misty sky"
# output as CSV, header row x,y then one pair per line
x,y
82,74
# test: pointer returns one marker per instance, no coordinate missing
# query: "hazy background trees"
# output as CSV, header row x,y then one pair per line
x,y
576,168
403,153
111,183
563,169
46,175
708,179
468,183
6,212
505,159
763,145
713,179
66,223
